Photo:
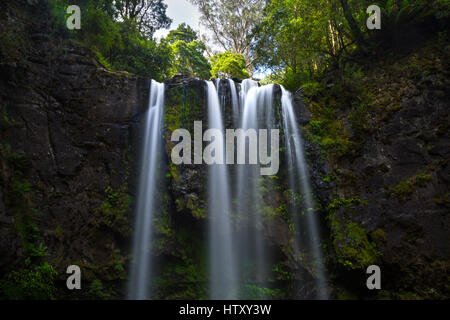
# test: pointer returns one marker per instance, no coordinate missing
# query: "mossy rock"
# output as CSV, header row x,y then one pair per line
x,y
352,246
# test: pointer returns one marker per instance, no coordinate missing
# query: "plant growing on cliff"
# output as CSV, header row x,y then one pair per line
x,y
351,245
35,283
113,211
405,188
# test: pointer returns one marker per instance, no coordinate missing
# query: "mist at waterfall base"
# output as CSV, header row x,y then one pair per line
x,y
240,256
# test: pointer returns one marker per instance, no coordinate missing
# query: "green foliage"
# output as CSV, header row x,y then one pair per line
x,y
350,242
183,33
149,15
351,245
35,283
301,39
232,23
119,33
329,135
378,236
184,277
228,65
282,271
341,202
188,53
405,188
114,210
139,55
310,89
97,291
254,292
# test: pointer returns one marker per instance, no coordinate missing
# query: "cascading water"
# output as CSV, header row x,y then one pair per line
x,y
299,182
246,85
146,201
234,102
256,114
239,254
223,277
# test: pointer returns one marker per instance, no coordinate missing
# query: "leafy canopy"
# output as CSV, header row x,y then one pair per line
x,y
228,65
188,53
231,23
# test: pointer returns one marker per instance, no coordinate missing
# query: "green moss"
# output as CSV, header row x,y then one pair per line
x,y
254,292
113,212
344,294
185,273
17,161
443,201
352,247
35,283
96,290
173,171
199,213
341,202
172,118
282,272
162,223
379,236
350,242
405,188
409,296
183,280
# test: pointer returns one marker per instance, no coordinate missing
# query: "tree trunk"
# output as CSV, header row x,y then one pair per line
x,y
352,23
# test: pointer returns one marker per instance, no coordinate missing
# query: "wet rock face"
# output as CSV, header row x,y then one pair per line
x,y
401,175
186,102
66,137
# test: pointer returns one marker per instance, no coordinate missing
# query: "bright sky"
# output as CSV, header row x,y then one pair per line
x,y
181,11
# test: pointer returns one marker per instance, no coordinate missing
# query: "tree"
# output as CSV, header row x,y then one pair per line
x,y
293,35
149,15
228,65
188,53
183,32
231,23
140,55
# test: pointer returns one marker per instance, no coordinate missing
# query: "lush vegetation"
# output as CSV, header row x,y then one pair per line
x,y
228,65
299,40
296,40
322,46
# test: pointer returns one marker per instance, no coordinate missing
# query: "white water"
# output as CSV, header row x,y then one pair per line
x,y
249,203
299,182
234,103
146,201
252,108
246,85
223,276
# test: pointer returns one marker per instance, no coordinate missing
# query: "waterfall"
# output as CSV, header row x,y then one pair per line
x,y
234,102
246,85
299,182
152,149
249,203
223,279
240,257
